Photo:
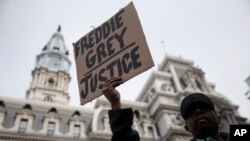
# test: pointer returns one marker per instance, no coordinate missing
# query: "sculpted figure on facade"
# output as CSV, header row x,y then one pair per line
x,y
194,79
167,86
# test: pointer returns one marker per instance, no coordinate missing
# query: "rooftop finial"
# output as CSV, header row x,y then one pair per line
x,y
59,28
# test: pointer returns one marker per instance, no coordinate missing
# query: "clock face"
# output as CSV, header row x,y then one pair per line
x,y
54,63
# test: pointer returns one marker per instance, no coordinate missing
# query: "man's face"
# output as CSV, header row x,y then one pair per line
x,y
202,122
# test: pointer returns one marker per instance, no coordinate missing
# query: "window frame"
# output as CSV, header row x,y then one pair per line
x,y
77,131
51,128
23,125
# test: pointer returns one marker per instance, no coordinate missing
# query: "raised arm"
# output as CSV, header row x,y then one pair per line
x,y
111,93
120,120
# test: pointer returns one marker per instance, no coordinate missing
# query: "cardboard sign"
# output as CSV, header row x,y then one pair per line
x,y
116,48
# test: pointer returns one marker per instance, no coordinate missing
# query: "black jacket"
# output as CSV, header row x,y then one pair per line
x,y
224,136
121,125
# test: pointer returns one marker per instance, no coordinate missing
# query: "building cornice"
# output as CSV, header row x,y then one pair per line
x,y
125,103
29,137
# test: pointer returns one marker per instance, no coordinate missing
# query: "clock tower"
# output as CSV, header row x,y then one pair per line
x,y
50,77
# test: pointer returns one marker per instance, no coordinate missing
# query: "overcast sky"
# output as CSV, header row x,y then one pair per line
x,y
215,34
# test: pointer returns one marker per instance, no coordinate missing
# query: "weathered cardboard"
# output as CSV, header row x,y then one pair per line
x,y
116,48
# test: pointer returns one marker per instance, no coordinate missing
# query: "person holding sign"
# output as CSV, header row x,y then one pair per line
x,y
120,120
116,48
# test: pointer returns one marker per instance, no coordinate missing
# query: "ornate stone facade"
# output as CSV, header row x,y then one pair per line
x,y
46,116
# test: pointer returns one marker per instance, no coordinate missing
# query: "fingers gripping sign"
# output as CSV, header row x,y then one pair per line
x,y
111,93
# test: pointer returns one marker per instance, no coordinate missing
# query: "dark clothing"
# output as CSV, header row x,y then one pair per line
x,y
121,125
121,122
224,136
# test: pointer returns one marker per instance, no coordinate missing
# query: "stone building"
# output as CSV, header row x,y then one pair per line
x,y
46,116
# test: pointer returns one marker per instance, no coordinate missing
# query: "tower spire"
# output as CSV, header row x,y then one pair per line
x,y
59,28
50,77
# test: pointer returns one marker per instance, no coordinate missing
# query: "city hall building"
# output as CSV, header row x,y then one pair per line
x,y
45,113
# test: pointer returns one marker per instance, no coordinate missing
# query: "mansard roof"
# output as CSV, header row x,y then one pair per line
x,y
40,110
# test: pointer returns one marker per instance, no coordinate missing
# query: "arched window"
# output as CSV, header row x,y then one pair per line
x,y
48,99
27,106
76,113
52,110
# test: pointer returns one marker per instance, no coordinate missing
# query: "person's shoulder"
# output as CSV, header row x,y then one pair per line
x,y
123,111
224,136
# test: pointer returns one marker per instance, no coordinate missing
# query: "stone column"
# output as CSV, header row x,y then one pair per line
x,y
106,123
35,78
175,78
59,81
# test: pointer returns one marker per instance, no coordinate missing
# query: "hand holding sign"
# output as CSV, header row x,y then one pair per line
x,y
111,93
117,48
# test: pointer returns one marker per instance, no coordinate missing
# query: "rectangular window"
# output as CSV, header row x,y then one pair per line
x,y
76,131
23,126
151,132
51,129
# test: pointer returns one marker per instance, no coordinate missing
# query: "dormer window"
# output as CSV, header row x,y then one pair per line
x,y
2,105
76,114
27,106
45,48
56,48
52,110
67,52
23,126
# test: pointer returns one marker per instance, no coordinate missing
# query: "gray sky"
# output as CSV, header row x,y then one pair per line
x,y
215,34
